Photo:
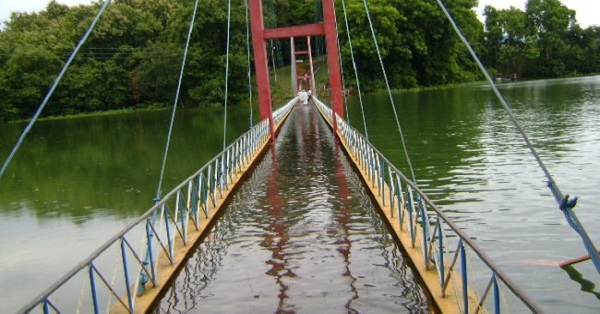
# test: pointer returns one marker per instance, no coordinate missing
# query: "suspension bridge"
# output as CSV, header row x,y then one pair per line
x,y
443,258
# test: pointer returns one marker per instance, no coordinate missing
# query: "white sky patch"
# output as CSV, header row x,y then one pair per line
x,y
586,9
29,6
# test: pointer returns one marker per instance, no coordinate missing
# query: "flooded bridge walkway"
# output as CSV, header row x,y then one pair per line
x,y
301,234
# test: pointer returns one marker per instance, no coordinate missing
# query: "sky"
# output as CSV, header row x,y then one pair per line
x,y
587,10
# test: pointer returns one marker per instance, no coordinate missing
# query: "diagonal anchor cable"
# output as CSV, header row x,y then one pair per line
x,y
563,200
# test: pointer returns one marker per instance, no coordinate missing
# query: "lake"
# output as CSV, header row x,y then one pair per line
x,y
76,182
472,162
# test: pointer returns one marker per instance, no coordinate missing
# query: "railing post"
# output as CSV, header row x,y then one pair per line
x,y
411,208
126,275
441,250
383,173
194,198
184,219
168,229
465,289
425,227
496,295
46,307
93,288
401,201
150,253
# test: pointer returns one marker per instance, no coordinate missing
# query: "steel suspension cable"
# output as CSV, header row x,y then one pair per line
x,y
54,85
389,90
249,65
227,73
565,205
185,52
360,99
339,50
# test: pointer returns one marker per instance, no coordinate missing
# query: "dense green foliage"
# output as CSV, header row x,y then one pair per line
x,y
542,41
417,43
133,57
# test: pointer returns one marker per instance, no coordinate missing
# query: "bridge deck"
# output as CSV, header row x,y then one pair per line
x,y
301,234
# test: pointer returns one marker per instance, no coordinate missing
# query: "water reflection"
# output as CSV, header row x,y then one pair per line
x,y
276,238
343,219
586,285
302,236
79,166
76,182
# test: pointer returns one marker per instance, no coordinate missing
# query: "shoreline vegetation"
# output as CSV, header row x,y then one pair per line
x,y
132,59
164,107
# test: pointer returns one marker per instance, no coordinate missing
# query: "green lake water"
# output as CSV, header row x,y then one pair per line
x,y
75,182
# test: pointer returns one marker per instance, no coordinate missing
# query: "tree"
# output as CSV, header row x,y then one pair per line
x,y
29,73
510,41
417,43
550,21
542,41
155,76
386,23
591,42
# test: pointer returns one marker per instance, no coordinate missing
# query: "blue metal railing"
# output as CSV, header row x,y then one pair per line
x,y
163,230
281,113
440,239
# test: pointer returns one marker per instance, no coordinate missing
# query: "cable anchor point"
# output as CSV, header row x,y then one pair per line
x,y
566,203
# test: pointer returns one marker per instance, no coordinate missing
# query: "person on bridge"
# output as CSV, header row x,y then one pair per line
x,y
303,97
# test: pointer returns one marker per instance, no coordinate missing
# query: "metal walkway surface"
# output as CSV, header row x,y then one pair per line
x,y
300,235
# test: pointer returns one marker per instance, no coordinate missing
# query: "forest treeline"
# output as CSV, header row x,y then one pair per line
x,y
133,57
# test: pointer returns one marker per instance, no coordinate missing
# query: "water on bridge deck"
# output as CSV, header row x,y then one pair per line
x,y
300,235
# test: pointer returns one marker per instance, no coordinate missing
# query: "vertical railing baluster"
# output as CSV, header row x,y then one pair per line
x,y
126,275
191,203
425,227
234,158
383,173
496,295
411,208
372,166
465,289
182,214
391,175
441,250
393,203
201,198
190,193
46,307
196,202
401,201
213,184
176,211
219,175
93,289
150,251
168,229
238,157
226,169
